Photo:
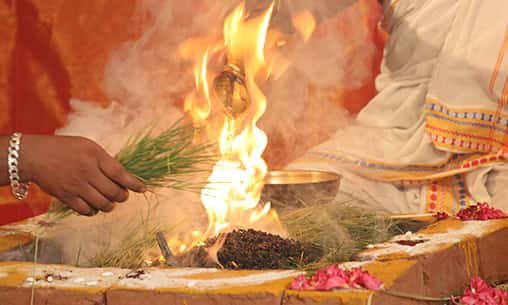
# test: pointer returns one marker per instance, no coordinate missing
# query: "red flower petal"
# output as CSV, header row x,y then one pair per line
x,y
479,285
480,293
335,277
370,282
442,215
480,211
300,283
335,282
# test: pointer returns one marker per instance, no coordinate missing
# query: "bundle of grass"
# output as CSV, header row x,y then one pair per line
x,y
322,232
130,252
339,227
170,159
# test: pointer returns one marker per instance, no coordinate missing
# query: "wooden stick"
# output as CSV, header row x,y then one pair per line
x,y
412,216
163,245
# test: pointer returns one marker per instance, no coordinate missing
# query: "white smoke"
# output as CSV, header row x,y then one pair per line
x,y
146,80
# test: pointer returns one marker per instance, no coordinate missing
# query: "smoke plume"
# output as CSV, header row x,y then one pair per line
x,y
147,79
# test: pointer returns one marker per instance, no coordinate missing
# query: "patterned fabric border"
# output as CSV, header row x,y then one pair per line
x,y
447,195
415,175
465,130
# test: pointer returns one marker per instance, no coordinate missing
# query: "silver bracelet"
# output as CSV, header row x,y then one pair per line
x,y
18,189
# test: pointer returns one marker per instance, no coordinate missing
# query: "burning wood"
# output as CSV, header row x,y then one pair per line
x,y
163,245
251,249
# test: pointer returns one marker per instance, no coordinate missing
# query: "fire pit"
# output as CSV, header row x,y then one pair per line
x,y
294,188
250,249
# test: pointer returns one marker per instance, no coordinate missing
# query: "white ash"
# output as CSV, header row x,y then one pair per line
x,y
155,278
432,242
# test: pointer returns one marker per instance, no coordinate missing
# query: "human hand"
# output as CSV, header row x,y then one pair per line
x,y
76,171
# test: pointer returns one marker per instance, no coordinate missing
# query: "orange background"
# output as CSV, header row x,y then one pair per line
x,y
52,50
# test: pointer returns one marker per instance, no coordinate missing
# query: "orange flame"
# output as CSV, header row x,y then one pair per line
x,y
232,196
236,203
195,104
305,23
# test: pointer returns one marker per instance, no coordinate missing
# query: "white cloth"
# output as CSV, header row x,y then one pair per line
x,y
443,50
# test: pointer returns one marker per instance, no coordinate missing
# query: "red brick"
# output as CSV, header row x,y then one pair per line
x,y
49,296
151,297
492,250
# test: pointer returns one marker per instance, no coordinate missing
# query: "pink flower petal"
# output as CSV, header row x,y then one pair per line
x,y
333,283
300,283
370,282
335,277
480,293
479,285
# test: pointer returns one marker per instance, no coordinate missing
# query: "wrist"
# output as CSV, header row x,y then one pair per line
x,y
25,159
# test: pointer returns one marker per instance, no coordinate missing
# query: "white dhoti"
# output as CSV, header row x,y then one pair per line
x,y
434,137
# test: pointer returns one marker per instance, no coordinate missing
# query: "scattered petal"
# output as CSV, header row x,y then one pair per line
x,y
480,211
442,215
410,243
335,277
480,293
301,282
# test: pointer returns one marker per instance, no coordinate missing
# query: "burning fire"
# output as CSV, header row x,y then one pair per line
x,y
232,196
198,102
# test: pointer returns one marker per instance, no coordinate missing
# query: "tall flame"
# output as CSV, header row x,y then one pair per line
x,y
232,196
198,103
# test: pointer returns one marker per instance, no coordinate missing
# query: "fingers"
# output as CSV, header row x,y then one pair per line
x,y
109,189
96,200
89,201
88,179
117,173
80,206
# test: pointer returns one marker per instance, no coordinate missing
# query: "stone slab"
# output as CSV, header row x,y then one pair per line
x,y
203,287
452,253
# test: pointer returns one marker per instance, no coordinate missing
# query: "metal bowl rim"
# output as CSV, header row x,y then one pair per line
x,y
287,177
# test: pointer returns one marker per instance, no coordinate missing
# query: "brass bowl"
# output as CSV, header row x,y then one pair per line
x,y
296,188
